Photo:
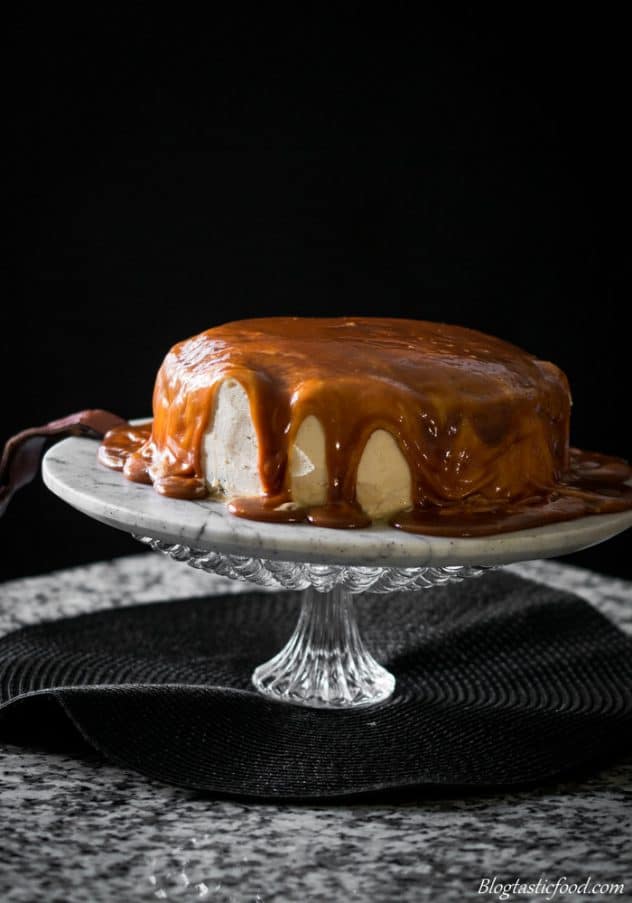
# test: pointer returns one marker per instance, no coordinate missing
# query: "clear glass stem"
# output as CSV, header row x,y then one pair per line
x,y
325,663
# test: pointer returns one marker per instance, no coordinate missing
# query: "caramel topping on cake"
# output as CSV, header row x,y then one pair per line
x,y
482,425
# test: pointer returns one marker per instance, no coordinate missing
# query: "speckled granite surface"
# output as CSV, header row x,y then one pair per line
x,y
81,830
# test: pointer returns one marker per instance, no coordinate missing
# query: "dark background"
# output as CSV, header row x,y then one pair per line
x,y
167,175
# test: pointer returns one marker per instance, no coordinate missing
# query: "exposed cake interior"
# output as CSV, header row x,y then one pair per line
x,y
231,460
343,421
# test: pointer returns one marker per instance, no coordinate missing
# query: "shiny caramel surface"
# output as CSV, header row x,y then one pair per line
x,y
482,425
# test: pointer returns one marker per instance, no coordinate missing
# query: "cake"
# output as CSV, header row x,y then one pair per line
x,y
341,422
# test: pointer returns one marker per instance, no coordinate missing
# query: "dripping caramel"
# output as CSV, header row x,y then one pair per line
x,y
482,425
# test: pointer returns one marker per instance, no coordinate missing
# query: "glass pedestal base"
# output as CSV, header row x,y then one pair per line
x,y
325,664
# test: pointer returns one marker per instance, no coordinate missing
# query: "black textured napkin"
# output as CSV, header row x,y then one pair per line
x,y
499,681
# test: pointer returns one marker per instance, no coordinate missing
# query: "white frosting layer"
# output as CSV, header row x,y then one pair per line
x,y
230,451
230,458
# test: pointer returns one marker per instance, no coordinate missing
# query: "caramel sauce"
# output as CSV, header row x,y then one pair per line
x,y
482,425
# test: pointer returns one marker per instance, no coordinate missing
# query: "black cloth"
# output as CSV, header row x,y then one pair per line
x,y
500,681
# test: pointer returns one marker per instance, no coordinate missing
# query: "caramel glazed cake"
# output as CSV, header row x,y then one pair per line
x,y
340,422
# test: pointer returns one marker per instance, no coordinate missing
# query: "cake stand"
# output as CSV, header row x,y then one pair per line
x,y
325,663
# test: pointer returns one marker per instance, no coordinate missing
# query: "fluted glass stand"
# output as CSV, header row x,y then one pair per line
x,y
325,663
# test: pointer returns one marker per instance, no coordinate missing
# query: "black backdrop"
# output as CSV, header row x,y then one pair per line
x,y
166,176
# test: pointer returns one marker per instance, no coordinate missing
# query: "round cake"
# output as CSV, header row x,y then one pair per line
x,y
340,422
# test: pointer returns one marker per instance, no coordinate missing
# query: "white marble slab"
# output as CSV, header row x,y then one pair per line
x,y
70,470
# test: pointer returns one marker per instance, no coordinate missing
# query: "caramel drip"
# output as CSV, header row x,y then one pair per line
x,y
482,425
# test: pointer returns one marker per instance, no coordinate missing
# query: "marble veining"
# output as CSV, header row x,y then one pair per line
x,y
77,829
70,470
